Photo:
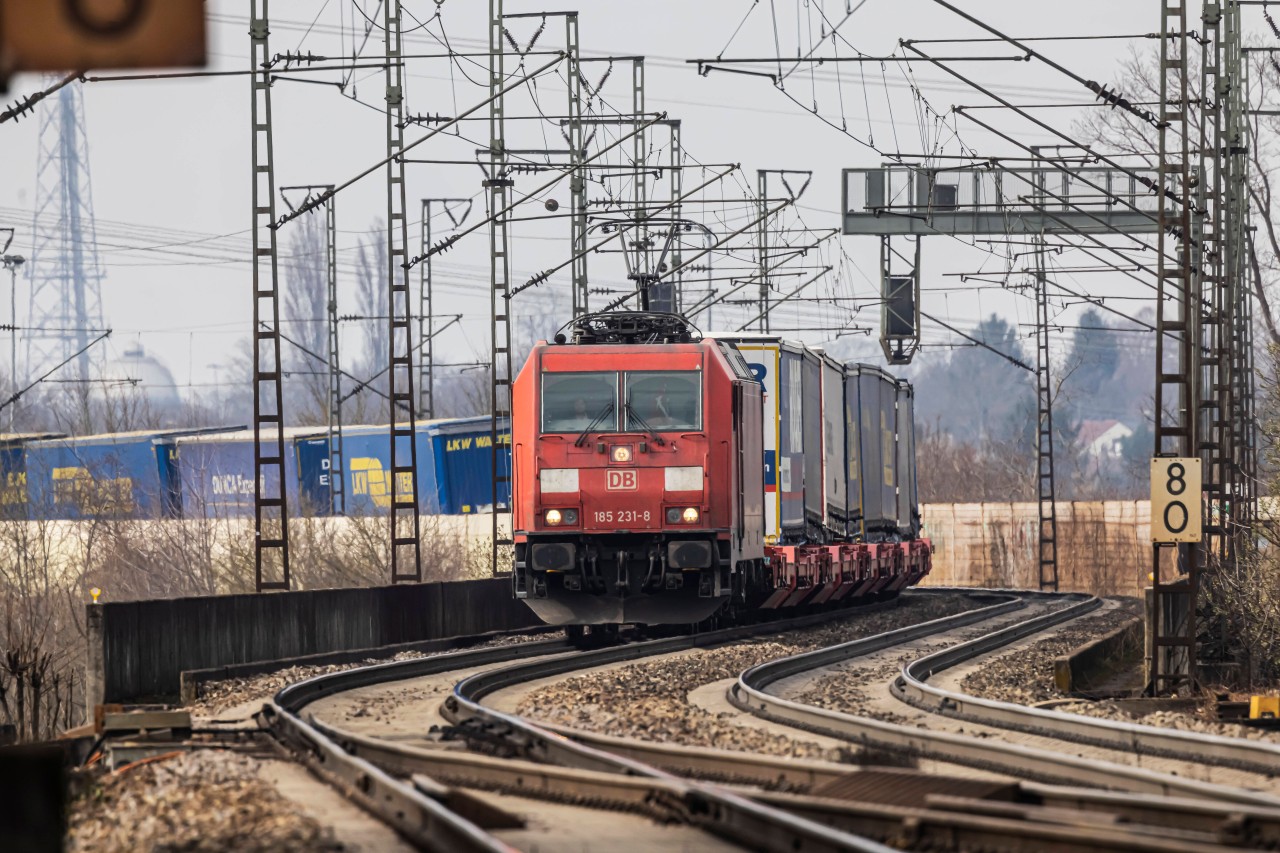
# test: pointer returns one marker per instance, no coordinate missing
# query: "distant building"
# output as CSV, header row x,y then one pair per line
x,y
137,378
1102,442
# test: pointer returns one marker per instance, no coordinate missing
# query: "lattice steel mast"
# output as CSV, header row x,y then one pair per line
x,y
66,276
1173,644
574,135
270,509
405,522
337,455
642,269
675,179
1210,249
762,246
1241,276
498,184
333,362
1047,525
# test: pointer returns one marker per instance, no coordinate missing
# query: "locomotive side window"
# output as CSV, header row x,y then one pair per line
x,y
736,361
667,400
571,402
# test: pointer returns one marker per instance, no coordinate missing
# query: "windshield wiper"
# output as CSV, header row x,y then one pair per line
x,y
657,439
604,413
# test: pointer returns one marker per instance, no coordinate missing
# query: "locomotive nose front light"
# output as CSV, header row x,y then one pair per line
x,y
553,516
673,516
570,516
690,515
622,453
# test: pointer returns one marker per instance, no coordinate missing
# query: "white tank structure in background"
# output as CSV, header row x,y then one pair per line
x,y
138,382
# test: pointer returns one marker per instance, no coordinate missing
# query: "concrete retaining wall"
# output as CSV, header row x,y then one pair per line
x,y
138,649
1091,664
1104,547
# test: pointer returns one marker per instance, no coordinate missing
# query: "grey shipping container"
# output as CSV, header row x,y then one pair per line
x,y
811,387
877,398
853,449
834,428
908,501
791,435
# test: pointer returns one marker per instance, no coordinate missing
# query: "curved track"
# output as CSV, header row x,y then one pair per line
x,y
373,770
405,778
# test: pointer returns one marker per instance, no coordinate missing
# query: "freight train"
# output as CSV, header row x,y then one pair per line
x,y
662,477
208,473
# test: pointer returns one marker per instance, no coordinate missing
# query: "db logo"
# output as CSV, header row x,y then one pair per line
x,y
617,480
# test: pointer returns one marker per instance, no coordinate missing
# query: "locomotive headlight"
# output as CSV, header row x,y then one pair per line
x,y
622,453
690,515
570,516
673,516
553,516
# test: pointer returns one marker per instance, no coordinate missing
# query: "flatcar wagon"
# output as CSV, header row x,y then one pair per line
x,y
661,476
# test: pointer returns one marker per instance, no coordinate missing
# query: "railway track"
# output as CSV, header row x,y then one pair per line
x,y
391,779
432,795
1229,768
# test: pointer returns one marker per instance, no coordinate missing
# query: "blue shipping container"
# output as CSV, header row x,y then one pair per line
x,y
314,481
454,467
212,475
366,454
464,465
120,475
13,471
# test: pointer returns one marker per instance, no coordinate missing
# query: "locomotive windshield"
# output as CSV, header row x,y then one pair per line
x,y
662,401
572,401
654,400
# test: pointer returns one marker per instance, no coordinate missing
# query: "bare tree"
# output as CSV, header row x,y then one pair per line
x,y
371,302
1123,132
306,300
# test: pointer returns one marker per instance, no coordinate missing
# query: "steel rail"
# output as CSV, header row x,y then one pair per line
x,y
726,765
427,821
514,776
440,817
1215,750
1254,825
417,815
749,694
964,824
936,823
723,812
720,765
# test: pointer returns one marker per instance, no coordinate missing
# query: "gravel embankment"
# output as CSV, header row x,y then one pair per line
x,y
219,696
1188,722
648,700
210,800
849,694
1025,675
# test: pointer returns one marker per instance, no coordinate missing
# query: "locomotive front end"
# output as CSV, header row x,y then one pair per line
x,y
615,468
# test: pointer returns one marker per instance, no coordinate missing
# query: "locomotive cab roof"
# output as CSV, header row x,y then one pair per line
x,y
629,327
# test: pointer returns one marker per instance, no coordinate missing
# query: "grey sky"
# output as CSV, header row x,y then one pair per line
x,y
170,159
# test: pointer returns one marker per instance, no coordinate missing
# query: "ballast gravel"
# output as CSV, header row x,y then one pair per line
x,y
1184,721
854,687
218,697
1025,675
207,800
649,700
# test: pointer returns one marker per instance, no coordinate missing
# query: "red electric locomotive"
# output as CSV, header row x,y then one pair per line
x,y
660,477
638,493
